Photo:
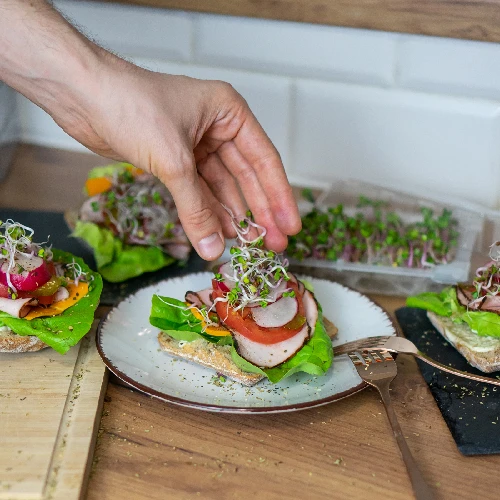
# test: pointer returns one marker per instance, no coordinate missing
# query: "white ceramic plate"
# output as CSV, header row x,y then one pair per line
x,y
128,345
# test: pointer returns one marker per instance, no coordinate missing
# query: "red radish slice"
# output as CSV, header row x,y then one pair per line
x,y
201,298
192,298
311,309
277,314
228,276
17,308
276,293
269,355
35,273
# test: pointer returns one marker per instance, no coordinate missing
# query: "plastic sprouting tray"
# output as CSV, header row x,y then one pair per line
x,y
385,279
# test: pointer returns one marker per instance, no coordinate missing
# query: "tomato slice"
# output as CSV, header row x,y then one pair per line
x,y
243,323
46,300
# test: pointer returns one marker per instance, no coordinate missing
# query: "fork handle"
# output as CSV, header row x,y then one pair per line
x,y
420,487
454,371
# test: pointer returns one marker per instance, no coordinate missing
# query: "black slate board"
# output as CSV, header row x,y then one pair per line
x,y
53,224
471,409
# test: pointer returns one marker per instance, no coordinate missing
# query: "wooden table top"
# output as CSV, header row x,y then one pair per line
x,y
148,449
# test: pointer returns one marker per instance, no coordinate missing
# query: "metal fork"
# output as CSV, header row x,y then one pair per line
x,y
405,346
378,369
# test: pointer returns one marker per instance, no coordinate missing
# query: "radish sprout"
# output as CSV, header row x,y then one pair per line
x,y
375,235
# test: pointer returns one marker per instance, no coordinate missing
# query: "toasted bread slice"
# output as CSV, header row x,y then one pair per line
x,y
482,352
12,342
218,357
210,355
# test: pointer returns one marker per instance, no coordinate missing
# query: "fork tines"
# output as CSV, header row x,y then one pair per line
x,y
368,357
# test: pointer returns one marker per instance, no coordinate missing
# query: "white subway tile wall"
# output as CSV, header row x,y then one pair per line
x,y
9,121
417,112
131,30
296,49
447,66
397,137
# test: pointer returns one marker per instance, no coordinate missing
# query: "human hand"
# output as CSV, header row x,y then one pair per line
x,y
199,138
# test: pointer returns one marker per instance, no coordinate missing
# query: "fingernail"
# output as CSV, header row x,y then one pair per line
x,y
211,246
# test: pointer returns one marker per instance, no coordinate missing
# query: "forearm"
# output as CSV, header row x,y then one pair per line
x,y
43,56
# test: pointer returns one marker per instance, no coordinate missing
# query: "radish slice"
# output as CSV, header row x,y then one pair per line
x,y
269,355
311,309
192,298
201,298
227,273
277,314
18,307
35,273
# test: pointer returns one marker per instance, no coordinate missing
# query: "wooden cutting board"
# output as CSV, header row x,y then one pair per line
x,y
50,409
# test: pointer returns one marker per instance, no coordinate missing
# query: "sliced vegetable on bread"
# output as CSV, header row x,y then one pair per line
x,y
255,321
468,314
47,296
131,223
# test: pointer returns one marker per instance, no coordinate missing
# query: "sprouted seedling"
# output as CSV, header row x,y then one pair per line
x,y
253,272
487,280
75,272
375,235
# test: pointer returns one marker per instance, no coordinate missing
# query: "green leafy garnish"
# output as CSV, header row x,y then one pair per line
x,y
116,261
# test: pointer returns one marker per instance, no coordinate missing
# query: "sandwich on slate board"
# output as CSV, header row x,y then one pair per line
x,y
257,320
47,296
468,314
131,223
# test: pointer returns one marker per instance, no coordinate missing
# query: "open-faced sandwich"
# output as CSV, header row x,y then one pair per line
x,y
255,321
131,223
47,296
468,314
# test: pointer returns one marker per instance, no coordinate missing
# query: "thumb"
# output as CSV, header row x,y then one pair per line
x,y
197,215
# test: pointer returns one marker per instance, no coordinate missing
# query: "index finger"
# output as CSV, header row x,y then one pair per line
x,y
258,150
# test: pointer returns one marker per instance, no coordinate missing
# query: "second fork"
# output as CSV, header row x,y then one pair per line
x,y
379,369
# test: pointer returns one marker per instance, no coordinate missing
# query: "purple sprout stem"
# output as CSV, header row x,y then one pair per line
x,y
410,257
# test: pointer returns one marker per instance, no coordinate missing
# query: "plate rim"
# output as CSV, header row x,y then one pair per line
x,y
219,408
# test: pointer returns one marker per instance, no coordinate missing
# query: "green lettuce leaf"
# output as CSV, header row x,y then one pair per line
x,y
108,170
445,303
315,357
66,329
118,262
436,302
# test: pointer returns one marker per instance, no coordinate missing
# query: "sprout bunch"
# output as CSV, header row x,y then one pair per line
x,y
255,270
376,235
74,271
487,280
140,211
